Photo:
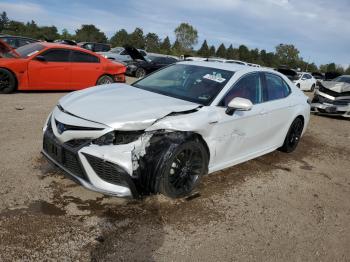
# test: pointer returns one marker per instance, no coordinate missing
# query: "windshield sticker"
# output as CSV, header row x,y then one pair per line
x,y
214,77
32,53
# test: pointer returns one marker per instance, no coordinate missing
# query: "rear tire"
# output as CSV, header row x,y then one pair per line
x,y
312,88
293,136
140,72
8,83
105,80
183,170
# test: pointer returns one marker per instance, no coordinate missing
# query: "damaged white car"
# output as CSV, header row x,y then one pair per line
x,y
164,132
333,97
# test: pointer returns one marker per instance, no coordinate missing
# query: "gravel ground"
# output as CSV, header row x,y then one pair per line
x,y
279,207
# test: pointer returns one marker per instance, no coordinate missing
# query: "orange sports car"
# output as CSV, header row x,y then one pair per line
x,y
50,66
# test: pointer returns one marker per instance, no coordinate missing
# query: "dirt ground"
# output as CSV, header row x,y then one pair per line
x,y
279,207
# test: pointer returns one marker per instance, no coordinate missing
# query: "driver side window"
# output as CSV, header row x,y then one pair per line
x,y
248,87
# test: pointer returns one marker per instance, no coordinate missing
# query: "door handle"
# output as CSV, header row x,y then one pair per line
x,y
263,112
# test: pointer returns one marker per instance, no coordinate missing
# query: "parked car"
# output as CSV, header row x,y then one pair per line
x,y
17,41
95,47
165,131
120,54
290,73
319,77
305,81
140,66
50,66
333,97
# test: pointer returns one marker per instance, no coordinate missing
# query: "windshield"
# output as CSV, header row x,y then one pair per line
x,y
345,79
116,50
196,84
29,50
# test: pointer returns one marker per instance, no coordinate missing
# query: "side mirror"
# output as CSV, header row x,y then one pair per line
x,y
238,103
40,58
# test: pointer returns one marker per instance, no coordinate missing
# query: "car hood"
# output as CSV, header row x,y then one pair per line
x,y
121,106
5,49
338,87
134,53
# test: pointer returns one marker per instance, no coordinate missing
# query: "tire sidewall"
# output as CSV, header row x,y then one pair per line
x,y
140,69
13,82
166,161
101,79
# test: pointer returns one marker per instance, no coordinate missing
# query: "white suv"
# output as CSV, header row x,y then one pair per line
x,y
305,82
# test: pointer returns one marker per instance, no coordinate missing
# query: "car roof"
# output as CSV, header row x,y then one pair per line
x,y
58,45
228,66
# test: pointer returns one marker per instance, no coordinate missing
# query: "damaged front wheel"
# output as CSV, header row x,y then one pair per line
x,y
184,169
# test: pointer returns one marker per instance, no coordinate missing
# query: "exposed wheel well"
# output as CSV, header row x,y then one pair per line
x,y
14,75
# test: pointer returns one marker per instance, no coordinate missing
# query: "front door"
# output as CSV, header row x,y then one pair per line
x,y
52,71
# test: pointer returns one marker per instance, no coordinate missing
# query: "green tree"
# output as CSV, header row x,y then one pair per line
x,y
212,51
120,38
204,50
347,71
221,52
243,53
66,35
230,52
4,20
186,36
90,33
177,49
15,28
136,38
165,47
331,67
152,42
47,32
287,55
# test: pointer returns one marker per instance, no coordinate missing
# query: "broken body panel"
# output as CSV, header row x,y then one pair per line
x,y
332,98
164,122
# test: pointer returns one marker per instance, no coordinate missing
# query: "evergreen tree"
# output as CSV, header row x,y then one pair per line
x,y
120,38
221,52
152,42
204,50
165,47
212,51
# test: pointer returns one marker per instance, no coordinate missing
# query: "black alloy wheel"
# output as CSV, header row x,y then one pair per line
x,y
7,81
184,169
293,136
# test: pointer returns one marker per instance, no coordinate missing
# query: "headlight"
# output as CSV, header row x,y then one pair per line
x,y
118,138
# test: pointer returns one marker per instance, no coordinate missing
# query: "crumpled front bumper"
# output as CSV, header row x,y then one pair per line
x,y
325,104
86,165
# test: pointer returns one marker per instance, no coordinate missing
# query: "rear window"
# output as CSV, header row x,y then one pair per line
x,y
29,50
82,57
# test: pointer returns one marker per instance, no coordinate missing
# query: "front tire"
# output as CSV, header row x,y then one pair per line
x,y
105,80
8,83
183,170
140,72
293,136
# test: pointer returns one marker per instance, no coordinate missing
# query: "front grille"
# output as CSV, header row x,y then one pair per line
x,y
107,171
63,154
77,142
332,93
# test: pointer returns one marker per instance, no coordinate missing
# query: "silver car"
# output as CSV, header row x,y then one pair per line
x,y
120,54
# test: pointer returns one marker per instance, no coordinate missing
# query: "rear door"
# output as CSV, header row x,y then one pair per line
x,y
53,73
86,69
278,108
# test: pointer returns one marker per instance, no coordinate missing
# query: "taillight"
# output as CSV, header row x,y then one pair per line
x,y
120,78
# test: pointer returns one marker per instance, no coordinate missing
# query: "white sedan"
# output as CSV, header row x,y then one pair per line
x,y
305,81
164,132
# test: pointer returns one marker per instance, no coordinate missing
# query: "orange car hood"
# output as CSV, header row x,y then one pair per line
x,y
6,49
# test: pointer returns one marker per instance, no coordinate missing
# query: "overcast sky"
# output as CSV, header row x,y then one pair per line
x,y
320,29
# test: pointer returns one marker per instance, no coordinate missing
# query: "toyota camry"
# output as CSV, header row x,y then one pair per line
x,y
163,133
